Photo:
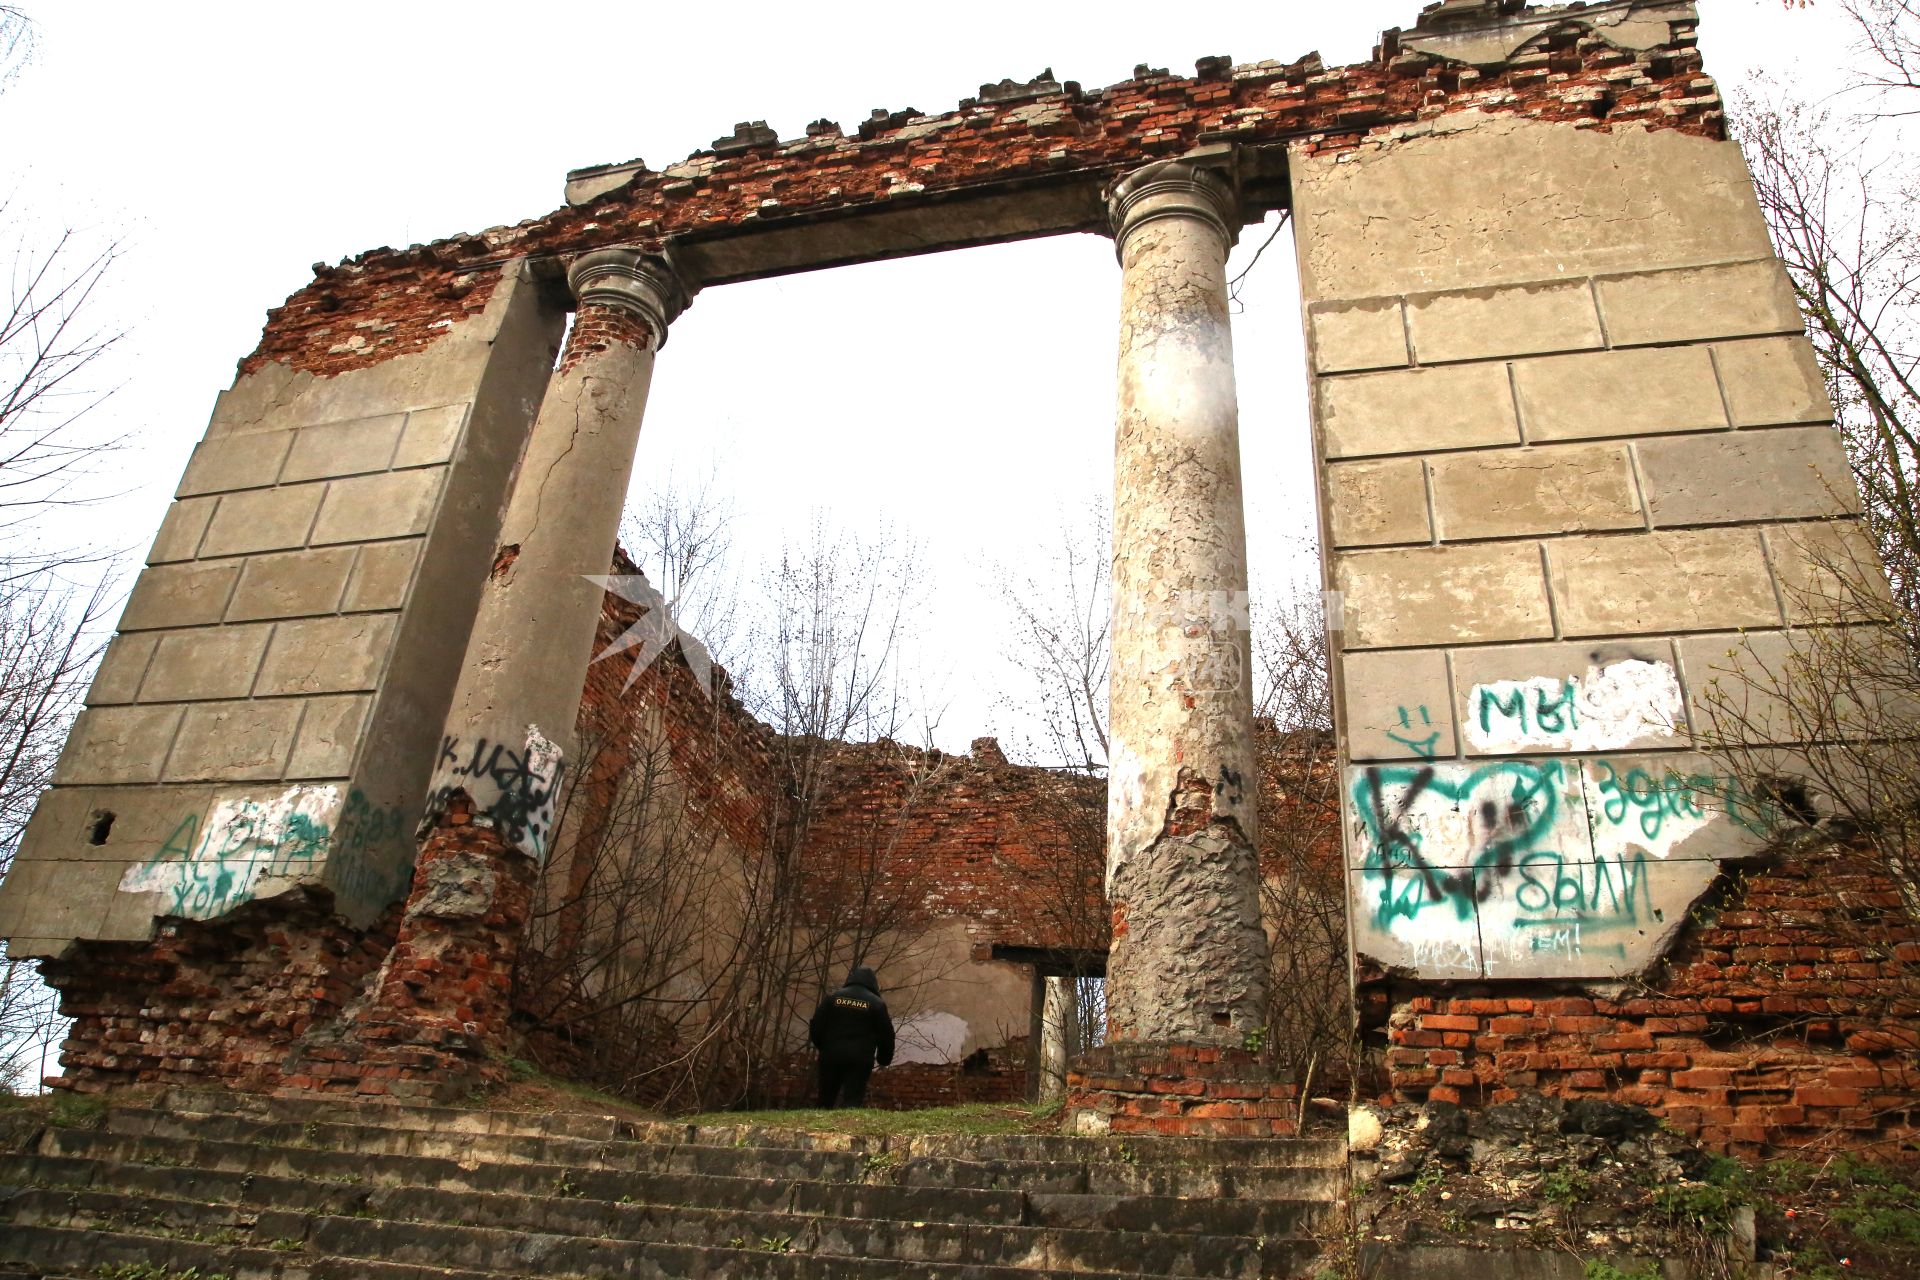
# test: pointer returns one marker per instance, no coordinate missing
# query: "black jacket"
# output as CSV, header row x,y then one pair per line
x,y
851,1024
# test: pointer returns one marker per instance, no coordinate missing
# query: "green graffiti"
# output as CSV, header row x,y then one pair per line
x,y
1424,745
1551,709
1511,808
1649,802
1603,892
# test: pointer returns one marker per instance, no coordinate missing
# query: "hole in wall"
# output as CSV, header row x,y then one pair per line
x,y
100,825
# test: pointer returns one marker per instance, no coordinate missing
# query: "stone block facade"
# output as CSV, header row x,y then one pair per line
x,y
1550,512
266,716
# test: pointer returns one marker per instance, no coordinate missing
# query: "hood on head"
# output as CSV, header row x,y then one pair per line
x,y
864,977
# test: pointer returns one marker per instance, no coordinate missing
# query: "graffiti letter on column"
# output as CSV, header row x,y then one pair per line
x,y
514,790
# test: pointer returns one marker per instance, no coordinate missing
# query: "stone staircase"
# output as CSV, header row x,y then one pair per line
x,y
281,1189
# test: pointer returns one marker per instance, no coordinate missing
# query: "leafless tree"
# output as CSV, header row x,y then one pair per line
x,y
681,932
1818,727
50,618
1303,890
17,40
1057,643
50,351
680,535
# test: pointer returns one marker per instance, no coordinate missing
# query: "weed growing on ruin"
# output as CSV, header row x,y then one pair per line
x,y
153,1271
1565,1186
564,1187
776,1244
1601,1269
72,1111
286,1244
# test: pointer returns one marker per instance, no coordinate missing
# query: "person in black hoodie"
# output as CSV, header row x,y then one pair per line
x,y
851,1030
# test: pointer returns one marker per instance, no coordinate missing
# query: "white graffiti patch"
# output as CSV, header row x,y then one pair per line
x,y
1622,704
210,866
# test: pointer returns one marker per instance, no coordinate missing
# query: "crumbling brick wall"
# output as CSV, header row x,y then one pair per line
x,y
211,1001
1786,1015
1014,851
390,302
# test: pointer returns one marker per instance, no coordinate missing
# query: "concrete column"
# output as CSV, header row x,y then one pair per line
x,y
1189,957
509,735
1059,1036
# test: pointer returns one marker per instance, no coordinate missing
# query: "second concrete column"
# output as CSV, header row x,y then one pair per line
x,y
1189,961
510,733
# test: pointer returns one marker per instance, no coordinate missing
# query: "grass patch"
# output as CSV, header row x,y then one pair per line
x,y
77,1111
975,1118
532,1090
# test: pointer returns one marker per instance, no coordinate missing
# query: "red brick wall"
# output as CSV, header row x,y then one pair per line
x,y
1780,1018
1181,1091
210,1000
1016,852
599,328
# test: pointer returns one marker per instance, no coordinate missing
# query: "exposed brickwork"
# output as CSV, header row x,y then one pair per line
x,y
1014,851
407,306
1775,1021
434,1022
598,327
389,302
220,1000
1182,1091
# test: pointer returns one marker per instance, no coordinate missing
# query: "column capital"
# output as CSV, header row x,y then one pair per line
x,y
644,284
1200,187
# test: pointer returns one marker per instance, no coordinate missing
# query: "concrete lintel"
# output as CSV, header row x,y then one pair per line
x,y
992,214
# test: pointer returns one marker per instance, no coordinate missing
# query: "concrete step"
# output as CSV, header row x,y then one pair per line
x,y
1201,1179
1321,1152
306,1189
455,1217
327,1189
92,1235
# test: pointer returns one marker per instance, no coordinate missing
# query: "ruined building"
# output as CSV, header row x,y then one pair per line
x,y
1572,445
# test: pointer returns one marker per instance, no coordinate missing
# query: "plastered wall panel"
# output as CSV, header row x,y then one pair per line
x,y
1367,334
1702,302
343,448
262,520
250,462
1547,699
1768,381
1415,410
1437,595
1473,324
1515,492
1663,582
1743,477
1619,393
1378,503
1395,705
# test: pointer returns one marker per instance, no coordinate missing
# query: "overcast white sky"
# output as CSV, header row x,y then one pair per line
x,y
964,398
